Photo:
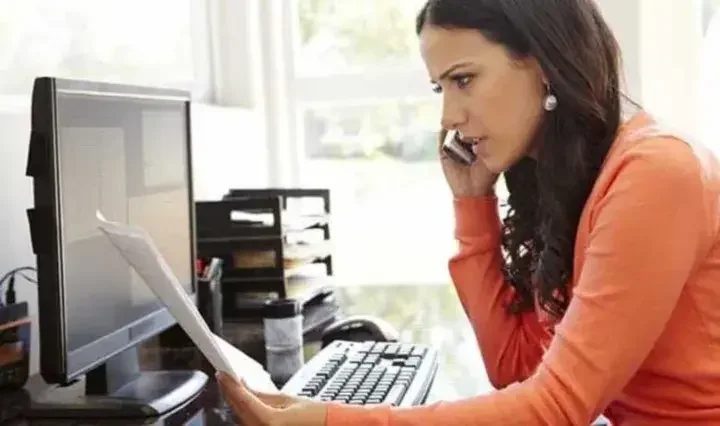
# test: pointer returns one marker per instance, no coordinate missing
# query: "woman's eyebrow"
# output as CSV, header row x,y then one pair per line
x,y
450,70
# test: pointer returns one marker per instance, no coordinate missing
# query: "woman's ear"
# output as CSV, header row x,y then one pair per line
x,y
532,64
541,73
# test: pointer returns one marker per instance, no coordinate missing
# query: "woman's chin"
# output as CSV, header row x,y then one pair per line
x,y
499,164
494,164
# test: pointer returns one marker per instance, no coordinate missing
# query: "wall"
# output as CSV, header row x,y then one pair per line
x,y
16,193
623,17
227,152
661,43
671,43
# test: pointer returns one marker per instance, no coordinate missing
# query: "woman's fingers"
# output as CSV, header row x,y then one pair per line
x,y
276,400
244,403
441,140
259,409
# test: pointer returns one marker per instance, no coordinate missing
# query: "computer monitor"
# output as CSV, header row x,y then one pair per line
x,y
124,151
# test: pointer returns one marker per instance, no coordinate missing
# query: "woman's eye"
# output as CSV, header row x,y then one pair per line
x,y
462,81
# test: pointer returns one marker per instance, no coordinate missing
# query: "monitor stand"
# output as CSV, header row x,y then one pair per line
x,y
118,389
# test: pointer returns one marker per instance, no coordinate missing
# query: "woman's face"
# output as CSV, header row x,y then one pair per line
x,y
489,96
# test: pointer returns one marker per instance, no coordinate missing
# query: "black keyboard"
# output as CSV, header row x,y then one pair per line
x,y
361,373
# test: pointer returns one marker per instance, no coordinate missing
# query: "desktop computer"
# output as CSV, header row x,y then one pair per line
x,y
123,151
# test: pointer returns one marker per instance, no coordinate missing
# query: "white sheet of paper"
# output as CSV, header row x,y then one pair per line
x,y
252,371
138,249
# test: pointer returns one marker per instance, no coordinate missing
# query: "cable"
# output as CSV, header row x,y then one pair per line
x,y
10,295
15,271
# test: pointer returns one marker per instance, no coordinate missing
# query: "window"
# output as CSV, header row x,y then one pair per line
x,y
132,41
367,121
337,36
708,10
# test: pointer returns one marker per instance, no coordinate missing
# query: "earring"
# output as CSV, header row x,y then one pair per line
x,y
550,102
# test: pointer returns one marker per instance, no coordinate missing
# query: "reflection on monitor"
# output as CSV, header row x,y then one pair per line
x,y
133,169
123,151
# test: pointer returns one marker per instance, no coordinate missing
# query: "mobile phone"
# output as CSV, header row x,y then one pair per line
x,y
458,150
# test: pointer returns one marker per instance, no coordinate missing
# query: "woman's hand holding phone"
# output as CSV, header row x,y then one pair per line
x,y
465,180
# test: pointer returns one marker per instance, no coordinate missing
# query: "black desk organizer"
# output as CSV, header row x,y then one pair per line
x,y
218,235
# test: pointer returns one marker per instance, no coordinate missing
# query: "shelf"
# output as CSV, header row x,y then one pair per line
x,y
266,244
294,256
291,222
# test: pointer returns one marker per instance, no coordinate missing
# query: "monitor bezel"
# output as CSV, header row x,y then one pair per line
x,y
57,364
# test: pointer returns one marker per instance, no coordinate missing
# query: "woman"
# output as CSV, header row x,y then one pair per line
x,y
608,298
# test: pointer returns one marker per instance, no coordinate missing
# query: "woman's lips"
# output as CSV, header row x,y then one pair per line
x,y
479,147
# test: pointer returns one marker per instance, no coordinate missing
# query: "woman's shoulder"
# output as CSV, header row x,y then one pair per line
x,y
662,153
648,160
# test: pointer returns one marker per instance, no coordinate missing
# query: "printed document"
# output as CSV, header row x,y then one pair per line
x,y
138,249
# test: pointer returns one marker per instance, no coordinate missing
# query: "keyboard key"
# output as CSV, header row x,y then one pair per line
x,y
366,347
418,351
378,396
371,359
395,395
392,349
338,357
382,389
379,347
405,350
358,357
413,361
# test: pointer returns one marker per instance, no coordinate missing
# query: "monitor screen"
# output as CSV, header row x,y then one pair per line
x,y
125,156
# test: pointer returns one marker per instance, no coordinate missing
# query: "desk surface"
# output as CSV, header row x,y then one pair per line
x,y
207,408
425,314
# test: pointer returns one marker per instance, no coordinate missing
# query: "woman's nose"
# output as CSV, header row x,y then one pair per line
x,y
453,115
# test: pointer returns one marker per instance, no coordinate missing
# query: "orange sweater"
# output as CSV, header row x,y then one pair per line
x,y
641,338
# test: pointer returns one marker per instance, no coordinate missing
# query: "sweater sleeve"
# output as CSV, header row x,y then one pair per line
x,y
511,346
643,246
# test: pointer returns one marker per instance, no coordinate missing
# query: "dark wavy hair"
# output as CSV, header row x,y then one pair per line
x,y
580,58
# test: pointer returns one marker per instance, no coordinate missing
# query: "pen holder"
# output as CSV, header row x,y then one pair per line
x,y
209,292
173,349
210,303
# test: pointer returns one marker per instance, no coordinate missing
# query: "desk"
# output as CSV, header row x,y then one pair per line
x,y
205,409
426,314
